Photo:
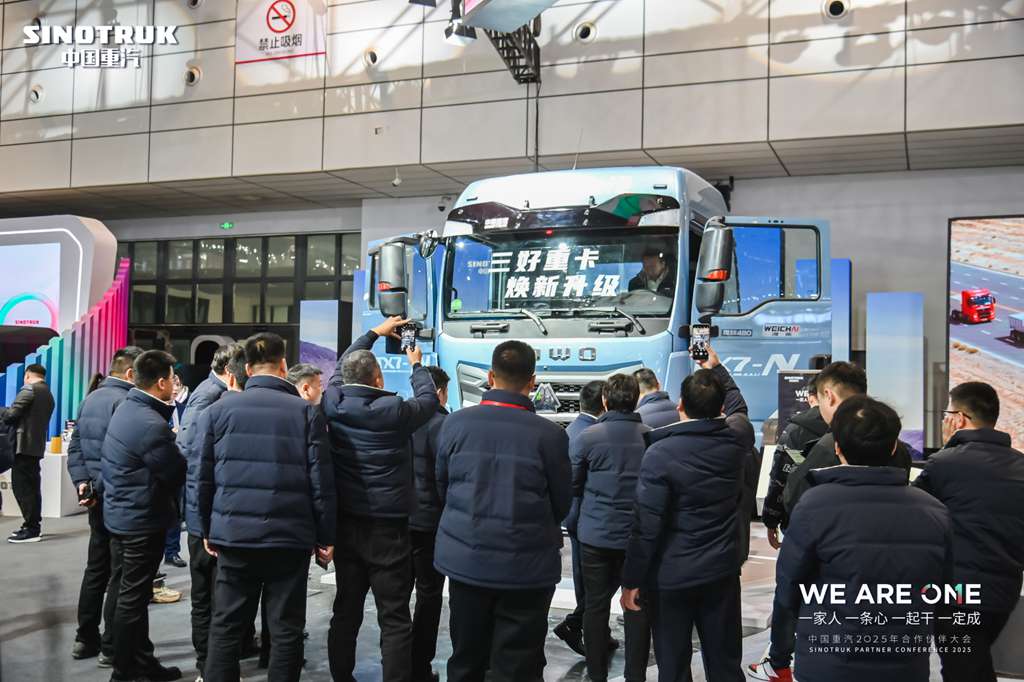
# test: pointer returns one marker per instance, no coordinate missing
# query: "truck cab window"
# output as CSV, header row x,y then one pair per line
x,y
772,264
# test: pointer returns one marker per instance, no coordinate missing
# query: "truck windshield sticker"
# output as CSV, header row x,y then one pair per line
x,y
571,271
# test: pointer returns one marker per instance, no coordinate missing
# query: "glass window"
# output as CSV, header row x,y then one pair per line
x,y
211,258
346,292
567,272
351,245
144,266
143,303
179,259
209,303
248,257
123,250
319,291
280,256
280,302
320,251
770,264
247,302
179,303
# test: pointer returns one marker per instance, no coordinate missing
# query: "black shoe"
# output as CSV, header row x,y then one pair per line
x,y
82,650
25,535
573,637
613,644
175,560
105,661
159,673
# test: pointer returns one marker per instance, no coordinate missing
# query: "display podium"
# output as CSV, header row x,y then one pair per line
x,y
60,498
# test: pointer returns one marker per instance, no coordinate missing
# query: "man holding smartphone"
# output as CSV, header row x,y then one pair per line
x,y
84,453
684,546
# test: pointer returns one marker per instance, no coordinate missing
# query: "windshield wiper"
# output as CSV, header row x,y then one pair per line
x,y
533,316
608,309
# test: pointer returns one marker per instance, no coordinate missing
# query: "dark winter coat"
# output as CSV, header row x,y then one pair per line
x,y
803,429
31,411
424,452
821,455
843,532
605,463
207,393
370,436
141,468
689,515
265,476
504,476
657,409
574,430
86,447
980,479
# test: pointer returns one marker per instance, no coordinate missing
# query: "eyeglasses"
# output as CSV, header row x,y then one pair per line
x,y
952,412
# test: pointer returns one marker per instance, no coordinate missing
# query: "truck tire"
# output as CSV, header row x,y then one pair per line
x,y
954,317
1016,337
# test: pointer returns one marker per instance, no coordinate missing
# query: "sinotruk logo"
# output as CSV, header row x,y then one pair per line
x,y
110,46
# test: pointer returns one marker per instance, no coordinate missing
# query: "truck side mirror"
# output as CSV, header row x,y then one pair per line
x,y
709,297
392,293
427,245
716,251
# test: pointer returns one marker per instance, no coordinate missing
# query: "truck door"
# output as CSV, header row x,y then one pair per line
x,y
775,311
420,284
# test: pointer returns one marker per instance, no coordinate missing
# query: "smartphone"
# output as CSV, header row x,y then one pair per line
x,y
86,494
700,337
408,337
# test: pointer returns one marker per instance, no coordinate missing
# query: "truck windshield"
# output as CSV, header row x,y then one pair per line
x,y
563,271
981,300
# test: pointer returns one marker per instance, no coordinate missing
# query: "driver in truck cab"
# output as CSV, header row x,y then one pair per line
x,y
657,275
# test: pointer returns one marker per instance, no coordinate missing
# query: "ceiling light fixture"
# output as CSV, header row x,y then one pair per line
x,y
457,33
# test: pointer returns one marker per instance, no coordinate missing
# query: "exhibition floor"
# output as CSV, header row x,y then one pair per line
x,y
40,593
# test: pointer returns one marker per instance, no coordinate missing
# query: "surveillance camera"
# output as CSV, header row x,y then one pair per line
x,y
443,204
396,182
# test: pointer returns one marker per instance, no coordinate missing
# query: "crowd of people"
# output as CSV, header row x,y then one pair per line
x,y
278,468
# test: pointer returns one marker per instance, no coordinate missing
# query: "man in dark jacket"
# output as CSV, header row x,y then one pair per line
x,y
31,411
142,471
836,383
84,456
504,475
202,566
980,479
570,630
370,431
266,502
423,533
843,533
655,408
657,275
685,541
605,463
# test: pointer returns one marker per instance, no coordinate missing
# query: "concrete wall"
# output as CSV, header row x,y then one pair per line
x,y
735,87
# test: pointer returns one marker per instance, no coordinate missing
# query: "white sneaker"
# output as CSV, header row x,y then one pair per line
x,y
768,673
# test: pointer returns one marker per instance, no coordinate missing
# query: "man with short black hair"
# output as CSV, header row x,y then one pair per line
x,y
684,553
980,479
84,457
370,430
31,411
266,502
429,584
862,527
570,630
236,375
307,379
202,566
504,476
142,471
655,408
605,463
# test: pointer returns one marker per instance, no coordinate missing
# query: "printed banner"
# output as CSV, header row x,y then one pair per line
x,y
269,30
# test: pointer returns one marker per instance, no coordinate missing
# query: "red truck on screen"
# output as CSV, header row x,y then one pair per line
x,y
976,305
